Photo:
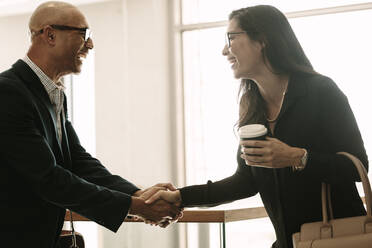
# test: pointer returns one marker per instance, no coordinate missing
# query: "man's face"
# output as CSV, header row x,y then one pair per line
x,y
72,47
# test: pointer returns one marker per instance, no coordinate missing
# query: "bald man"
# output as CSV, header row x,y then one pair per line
x,y
43,167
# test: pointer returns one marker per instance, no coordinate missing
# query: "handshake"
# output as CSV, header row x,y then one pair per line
x,y
158,205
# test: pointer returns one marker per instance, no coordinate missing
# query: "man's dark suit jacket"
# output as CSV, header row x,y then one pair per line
x,y
39,177
316,116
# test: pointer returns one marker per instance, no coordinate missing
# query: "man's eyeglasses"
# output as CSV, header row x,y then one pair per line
x,y
86,31
230,35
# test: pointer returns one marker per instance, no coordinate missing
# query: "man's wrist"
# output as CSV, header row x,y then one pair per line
x,y
135,206
138,193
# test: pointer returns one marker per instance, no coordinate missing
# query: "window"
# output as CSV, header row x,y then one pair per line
x,y
338,45
199,11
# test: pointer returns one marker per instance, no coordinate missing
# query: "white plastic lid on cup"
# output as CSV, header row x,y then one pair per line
x,y
252,131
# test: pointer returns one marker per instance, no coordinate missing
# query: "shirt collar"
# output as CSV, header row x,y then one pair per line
x,y
48,83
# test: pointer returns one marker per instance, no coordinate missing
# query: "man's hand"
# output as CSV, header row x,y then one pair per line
x,y
159,212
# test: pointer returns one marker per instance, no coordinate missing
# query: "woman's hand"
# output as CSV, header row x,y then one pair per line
x,y
270,153
167,195
152,190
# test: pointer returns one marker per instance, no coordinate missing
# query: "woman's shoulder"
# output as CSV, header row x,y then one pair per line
x,y
317,79
319,82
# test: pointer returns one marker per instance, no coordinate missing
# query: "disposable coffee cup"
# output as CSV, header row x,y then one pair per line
x,y
252,132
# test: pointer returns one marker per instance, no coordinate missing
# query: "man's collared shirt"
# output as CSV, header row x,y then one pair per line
x,y
54,90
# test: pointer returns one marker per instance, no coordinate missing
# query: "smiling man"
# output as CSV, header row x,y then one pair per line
x,y
43,168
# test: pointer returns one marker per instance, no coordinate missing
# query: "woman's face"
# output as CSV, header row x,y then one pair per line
x,y
244,54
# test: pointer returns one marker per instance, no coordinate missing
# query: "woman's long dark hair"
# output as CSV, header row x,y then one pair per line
x,y
283,52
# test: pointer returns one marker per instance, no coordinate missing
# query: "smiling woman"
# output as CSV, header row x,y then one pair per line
x,y
208,89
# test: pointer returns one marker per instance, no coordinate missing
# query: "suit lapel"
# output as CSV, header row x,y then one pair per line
x,y
33,83
65,143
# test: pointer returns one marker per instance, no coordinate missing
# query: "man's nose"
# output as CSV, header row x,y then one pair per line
x,y
89,43
225,50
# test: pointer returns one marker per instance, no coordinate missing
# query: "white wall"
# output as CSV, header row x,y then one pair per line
x,y
14,40
132,103
132,99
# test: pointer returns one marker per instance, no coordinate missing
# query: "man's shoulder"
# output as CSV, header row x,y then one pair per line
x,y
8,79
11,84
8,74
19,71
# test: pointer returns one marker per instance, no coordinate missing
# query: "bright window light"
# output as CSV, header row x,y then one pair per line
x,y
195,11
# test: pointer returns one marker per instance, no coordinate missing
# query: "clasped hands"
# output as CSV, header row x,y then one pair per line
x,y
158,205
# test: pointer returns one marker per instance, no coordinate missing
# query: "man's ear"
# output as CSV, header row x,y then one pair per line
x,y
49,35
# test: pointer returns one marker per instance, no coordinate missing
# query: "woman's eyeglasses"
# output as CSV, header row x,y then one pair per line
x,y
230,35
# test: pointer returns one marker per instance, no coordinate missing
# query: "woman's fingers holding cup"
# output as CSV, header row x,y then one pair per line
x,y
253,143
254,159
252,151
